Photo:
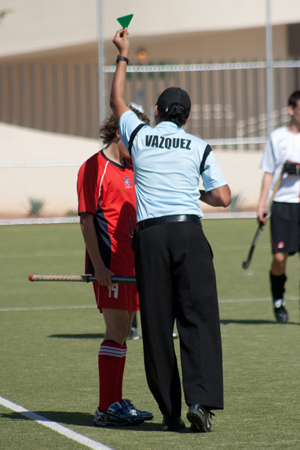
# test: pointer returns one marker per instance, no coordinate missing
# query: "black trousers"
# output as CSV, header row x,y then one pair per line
x,y
176,281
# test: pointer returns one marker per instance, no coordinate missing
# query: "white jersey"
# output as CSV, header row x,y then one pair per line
x,y
282,146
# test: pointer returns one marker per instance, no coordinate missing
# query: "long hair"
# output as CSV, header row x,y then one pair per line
x,y
109,128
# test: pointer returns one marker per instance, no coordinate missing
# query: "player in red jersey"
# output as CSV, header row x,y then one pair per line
x,y
106,201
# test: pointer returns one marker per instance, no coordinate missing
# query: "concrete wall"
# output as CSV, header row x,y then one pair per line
x,y
40,25
56,186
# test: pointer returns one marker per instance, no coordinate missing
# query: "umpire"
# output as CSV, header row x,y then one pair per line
x,y
174,262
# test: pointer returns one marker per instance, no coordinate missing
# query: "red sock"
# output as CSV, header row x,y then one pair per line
x,y
110,363
121,374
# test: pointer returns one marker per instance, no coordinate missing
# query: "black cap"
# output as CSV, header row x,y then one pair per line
x,y
174,95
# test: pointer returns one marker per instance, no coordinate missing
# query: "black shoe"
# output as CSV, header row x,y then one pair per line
x,y
199,418
280,311
172,424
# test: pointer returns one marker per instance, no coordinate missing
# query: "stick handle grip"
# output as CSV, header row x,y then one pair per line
x,y
80,278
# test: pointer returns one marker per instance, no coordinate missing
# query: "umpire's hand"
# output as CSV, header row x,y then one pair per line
x,y
121,41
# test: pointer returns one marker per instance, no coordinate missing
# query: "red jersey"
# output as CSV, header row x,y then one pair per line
x,y
106,190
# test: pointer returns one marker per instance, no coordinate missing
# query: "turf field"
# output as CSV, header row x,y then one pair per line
x,y
50,335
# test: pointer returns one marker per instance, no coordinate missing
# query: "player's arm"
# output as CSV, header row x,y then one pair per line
x,y
220,196
262,203
102,273
117,101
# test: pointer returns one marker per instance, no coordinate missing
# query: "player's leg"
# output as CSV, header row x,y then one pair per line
x,y
112,409
117,322
277,281
285,241
111,368
115,303
278,266
123,360
112,355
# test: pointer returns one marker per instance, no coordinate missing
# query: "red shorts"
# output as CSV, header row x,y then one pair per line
x,y
118,296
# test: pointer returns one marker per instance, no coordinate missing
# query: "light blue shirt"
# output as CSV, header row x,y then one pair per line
x,y
166,163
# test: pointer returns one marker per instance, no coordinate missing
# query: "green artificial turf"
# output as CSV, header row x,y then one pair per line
x,y
50,335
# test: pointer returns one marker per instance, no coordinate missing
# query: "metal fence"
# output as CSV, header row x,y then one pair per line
x,y
228,109
228,100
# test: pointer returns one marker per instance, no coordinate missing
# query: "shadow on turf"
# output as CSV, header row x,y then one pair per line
x,y
83,420
255,322
68,418
78,336
223,322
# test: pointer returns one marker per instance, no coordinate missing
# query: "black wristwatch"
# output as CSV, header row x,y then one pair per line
x,y
122,58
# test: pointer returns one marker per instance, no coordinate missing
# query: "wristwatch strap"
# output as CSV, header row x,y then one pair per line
x,y
122,58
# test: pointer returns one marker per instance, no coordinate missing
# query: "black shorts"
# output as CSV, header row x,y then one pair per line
x,y
285,227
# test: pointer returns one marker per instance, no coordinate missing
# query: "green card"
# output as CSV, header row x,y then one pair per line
x,y
125,20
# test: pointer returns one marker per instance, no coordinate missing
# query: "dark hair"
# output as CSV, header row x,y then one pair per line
x,y
109,128
176,113
294,98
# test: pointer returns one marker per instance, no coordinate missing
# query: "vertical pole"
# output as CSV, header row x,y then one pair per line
x,y
101,61
269,69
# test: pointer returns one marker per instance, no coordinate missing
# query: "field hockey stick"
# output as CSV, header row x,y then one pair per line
x,y
246,264
80,278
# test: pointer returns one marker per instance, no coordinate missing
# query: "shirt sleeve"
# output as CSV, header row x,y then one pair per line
x,y
127,124
268,161
212,176
87,188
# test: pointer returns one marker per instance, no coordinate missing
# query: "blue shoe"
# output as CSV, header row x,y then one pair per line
x,y
102,419
115,415
128,407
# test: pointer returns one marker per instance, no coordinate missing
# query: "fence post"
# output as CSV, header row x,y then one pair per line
x,y
101,61
269,70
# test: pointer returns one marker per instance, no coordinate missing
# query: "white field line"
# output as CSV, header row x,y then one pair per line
x,y
55,254
50,308
39,221
47,308
90,443
250,300
49,254
51,220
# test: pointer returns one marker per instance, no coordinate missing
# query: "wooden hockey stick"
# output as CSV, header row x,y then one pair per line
x,y
80,278
246,264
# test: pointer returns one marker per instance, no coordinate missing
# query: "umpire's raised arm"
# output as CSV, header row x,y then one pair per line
x,y
117,101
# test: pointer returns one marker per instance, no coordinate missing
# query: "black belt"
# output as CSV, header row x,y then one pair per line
x,y
167,219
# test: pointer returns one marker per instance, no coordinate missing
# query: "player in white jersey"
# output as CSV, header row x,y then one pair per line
x,y
173,260
282,151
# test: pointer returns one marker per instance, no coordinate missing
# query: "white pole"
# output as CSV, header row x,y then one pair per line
x,y
101,61
269,69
